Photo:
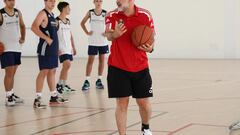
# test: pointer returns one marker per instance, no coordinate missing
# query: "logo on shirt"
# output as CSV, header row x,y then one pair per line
x,y
54,24
12,23
151,90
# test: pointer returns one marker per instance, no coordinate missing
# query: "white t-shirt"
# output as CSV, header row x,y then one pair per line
x,y
9,31
97,25
64,37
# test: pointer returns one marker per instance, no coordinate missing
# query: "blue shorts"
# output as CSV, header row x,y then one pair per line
x,y
9,59
95,50
64,57
47,62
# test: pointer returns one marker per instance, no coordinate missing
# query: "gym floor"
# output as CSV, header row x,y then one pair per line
x,y
191,97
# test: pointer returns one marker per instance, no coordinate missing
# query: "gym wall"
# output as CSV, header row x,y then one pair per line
x,y
206,29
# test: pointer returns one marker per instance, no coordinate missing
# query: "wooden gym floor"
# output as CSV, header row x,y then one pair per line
x,y
192,97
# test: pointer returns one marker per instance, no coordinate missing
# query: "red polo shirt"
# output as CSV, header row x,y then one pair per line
x,y
124,54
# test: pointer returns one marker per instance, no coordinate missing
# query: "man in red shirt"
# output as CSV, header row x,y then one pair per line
x,y
128,72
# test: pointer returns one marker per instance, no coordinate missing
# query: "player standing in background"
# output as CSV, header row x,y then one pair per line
x,y
98,43
66,46
12,35
45,26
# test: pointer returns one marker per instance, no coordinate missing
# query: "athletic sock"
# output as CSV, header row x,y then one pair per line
x,y
100,77
54,93
145,126
38,95
9,93
88,78
61,82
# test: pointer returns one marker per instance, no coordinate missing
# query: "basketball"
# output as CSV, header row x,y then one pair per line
x,y
1,48
142,35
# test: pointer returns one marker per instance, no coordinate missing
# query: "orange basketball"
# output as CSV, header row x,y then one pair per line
x,y
1,48
142,35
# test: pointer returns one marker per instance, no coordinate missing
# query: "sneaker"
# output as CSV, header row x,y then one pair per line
x,y
147,132
99,84
69,88
10,101
66,90
57,100
38,103
235,126
59,89
17,99
86,85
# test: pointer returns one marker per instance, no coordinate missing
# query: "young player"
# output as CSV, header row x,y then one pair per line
x,y
66,46
12,35
98,44
45,26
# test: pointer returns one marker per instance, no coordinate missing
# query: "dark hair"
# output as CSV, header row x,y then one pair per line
x,y
62,5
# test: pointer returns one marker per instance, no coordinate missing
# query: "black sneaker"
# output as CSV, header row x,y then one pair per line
x,y
38,104
86,85
99,84
59,89
17,99
10,101
69,88
57,100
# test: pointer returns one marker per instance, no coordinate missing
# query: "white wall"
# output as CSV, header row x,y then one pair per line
x,y
185,28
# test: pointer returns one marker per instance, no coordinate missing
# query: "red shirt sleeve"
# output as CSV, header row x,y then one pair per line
x,y
151,22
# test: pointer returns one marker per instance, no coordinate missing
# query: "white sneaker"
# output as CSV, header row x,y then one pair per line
x,y
38,104
10,101
17,99
235,126
147,132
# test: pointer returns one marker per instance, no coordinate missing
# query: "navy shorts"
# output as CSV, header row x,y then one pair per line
x,y
10,59
95,50
64,57
47,62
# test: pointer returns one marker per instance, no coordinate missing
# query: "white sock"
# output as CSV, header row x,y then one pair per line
x,y
39,95
54,93
88,78
9,93
100,77
62,82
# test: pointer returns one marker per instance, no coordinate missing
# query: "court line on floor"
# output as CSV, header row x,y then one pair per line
x,y
104,131
134,124
93,108
69,122
180,129
194,100
195,124
202,85
63,115
67,107
51,117
210,125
